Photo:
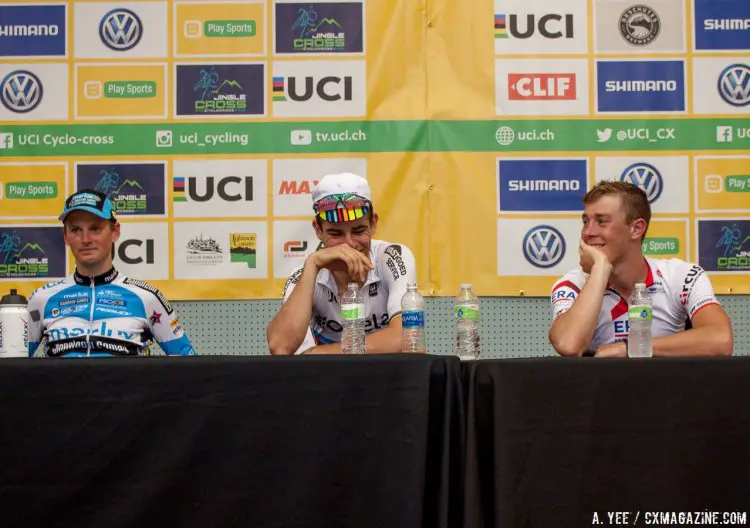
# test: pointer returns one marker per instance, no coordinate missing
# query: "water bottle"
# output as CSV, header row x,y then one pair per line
x,y
467,323
14,326
639,323
353,321
412,321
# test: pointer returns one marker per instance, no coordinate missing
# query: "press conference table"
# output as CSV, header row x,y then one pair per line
x,y
551,441
388,441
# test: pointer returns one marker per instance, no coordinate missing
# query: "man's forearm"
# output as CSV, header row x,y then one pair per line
x,y
572,332
695,342
385,341
287,329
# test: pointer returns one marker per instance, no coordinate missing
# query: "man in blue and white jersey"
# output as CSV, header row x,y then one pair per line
x,y
98,311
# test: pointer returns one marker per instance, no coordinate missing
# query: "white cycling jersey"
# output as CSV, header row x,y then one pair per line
x,y
394,267
678,290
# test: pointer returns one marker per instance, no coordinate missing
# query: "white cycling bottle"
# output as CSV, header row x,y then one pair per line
x,y
14,326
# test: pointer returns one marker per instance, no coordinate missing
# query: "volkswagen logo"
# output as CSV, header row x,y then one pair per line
x,y
120,29
645,176
21,91
544,246
734,84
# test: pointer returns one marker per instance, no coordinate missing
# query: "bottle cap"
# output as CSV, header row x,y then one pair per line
x,y
13,298
466,286
640,286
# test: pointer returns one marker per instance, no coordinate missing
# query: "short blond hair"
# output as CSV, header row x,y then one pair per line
x,y
634,200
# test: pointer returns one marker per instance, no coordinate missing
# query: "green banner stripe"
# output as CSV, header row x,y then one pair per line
x,y
558,135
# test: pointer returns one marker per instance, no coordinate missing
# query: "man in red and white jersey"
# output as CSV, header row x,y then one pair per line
x,y
590,305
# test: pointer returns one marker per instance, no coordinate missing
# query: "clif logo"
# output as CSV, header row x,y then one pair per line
x,y
541,86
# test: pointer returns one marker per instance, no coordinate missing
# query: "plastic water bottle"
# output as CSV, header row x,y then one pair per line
x,y
412,321
353,321
467,323
14,326
639,323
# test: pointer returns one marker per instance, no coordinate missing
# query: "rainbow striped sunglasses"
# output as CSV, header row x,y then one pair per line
x,y
342,207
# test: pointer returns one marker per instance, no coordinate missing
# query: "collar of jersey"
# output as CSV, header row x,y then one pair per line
x,y
649,277
98,280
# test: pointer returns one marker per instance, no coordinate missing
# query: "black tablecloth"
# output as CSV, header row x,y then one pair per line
x,y
551,441
237,441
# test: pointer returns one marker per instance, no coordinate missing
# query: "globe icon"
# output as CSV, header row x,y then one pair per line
x,y
505,135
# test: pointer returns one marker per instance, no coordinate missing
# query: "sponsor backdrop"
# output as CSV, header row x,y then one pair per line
x,y
208,122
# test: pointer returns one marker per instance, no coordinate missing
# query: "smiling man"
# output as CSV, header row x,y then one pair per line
x,y
98,311
309,320
590,307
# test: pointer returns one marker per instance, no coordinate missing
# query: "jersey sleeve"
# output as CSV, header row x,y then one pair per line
x,y
291,283
397,267
36,321
564,293
165,326
696,291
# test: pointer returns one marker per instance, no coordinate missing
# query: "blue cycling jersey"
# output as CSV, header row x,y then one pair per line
x,y
106,315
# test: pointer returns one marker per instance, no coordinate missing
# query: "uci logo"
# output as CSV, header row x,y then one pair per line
x,y
135,256
551,26
120,29
544,246
734,84
645,176
21,91
242,189
329,88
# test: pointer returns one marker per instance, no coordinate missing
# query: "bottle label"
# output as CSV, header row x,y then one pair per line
x,y
412,320
466,312
639,313
352,312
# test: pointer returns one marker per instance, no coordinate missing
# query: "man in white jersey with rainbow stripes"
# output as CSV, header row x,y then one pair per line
x,y
590,306
309,320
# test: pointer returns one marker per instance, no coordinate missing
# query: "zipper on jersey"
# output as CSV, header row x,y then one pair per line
x,y
91,317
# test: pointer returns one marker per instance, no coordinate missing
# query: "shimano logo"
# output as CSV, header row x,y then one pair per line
x,y
641,86
120,29
544,185
544,246
645,176
21,91
726,24
734,84
30,30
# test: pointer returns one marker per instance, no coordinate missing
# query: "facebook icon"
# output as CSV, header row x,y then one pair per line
x,y
724,134
6,140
